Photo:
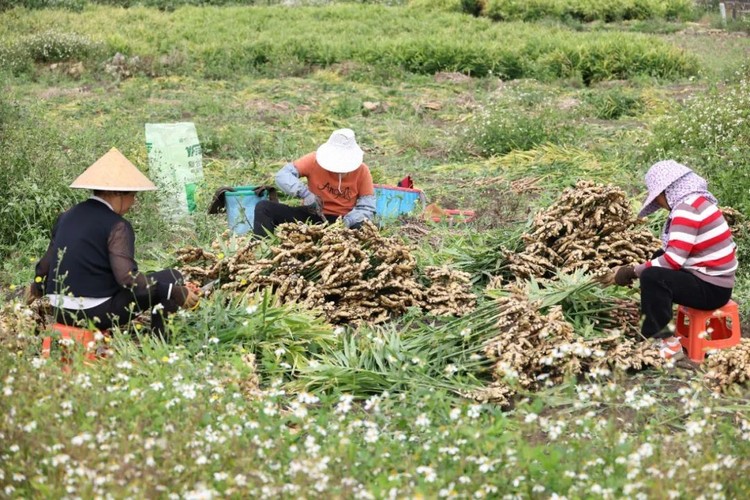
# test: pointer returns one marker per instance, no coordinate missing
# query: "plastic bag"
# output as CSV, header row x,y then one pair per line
x,y
176,166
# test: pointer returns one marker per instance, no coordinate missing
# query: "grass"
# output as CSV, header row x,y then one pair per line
x,y
583,11
151,435
243,409
242,41
733,50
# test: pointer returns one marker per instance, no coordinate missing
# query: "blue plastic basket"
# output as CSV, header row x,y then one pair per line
x,y
240,205
392,201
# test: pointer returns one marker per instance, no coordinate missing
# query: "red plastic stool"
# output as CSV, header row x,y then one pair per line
x,y
86,338
700,330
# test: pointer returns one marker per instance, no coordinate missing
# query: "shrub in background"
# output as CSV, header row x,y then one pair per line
x,y
522,10
169,5
38,163
617,57
737,25
499,10
589,10
47,47
442,5
78,5
612,104
54,46
684,10
711,133
500,128
33,174
15,60
373,35
473,7
74,5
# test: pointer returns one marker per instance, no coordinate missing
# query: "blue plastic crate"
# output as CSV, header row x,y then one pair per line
x,y
240,205
392,201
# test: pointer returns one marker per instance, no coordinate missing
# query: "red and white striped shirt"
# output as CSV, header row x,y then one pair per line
x,y
700,242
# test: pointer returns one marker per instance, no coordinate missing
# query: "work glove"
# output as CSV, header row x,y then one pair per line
x,y
348,223
606,279
625,275
261,191
191,299
312,203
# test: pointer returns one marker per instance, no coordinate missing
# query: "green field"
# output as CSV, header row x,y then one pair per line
x,y
498,112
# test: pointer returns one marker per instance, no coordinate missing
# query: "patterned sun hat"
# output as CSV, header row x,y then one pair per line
x,y
658,178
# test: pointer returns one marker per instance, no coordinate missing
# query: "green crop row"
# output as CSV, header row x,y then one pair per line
x,y
500,10
224,42
589,10
577,10
78,5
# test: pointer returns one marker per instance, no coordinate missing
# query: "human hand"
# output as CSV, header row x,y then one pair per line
x,y
192,299
313,203
31,293
350,224
625,275
606,279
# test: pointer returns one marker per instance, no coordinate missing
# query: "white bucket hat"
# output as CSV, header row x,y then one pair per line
x,y
113,172
659,177
340,154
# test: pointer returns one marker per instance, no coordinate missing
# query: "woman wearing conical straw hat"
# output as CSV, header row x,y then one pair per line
x,y
89,271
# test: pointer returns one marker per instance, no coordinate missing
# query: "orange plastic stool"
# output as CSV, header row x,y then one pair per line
x,y
700,330
454,215
77,335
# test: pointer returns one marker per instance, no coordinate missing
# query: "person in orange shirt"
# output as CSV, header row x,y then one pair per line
x,y
339,184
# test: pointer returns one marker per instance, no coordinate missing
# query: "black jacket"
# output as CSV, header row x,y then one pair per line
x,y
91,253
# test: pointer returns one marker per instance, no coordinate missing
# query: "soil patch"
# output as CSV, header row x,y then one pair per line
x,y
682,93
53,92
271,112
451,77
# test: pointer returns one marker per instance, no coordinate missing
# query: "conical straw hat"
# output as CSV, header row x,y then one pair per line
x,y
113,172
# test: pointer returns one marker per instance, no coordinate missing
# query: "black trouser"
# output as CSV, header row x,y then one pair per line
x,y
269,214
661,288
126,303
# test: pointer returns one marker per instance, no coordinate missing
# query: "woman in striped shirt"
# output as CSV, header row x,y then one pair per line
x,y
697,265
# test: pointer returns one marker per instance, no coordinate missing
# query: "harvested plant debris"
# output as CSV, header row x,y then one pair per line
x,y
17,325
590,227
533,349
729,366
352,275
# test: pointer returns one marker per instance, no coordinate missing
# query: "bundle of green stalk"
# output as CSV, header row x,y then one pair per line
x,y
274,340
537,344
353,276
516,339
590,227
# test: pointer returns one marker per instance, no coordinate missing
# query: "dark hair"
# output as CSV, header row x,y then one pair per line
x,y
99,192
